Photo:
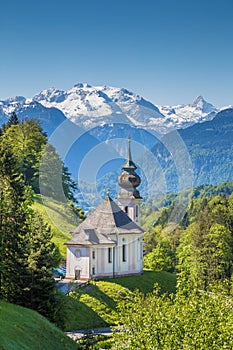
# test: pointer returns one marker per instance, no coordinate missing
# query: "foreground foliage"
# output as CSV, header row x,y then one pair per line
x,y
198,320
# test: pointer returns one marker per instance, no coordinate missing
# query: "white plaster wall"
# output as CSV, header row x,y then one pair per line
x,y
137,218
85,262
80,262
134,259
102,266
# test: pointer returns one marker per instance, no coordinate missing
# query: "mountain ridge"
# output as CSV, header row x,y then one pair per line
x,y
199,110
92,106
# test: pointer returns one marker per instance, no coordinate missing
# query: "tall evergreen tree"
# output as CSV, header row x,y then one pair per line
x,y
27,255
13,120
14,202
42,256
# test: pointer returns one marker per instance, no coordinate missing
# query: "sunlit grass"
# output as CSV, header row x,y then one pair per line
x,y
98,306
24,329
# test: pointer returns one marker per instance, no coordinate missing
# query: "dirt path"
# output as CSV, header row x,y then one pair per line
x,y
78,334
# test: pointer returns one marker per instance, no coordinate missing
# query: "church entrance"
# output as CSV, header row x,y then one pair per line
x,y
77,274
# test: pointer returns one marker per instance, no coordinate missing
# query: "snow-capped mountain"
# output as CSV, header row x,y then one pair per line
x,y
49,118
91,106
182,116
94,106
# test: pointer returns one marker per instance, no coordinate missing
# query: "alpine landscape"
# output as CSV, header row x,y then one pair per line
x,y
116,195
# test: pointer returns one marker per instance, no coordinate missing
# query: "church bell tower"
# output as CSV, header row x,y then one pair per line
x,y
129,198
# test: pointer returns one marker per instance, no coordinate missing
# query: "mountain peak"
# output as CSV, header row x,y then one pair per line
x,y
82,85
200,103
199,99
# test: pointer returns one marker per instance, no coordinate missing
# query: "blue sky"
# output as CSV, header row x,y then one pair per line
x,y
168,51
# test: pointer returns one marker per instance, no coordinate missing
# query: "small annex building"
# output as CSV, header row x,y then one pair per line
x,y
108,243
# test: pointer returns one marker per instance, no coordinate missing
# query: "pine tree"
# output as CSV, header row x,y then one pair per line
x,y
12,121
14,200
42,257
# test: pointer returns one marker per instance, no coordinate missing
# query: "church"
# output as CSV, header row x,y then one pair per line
x,y
108,243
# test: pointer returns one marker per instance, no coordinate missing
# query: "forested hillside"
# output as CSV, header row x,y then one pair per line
x,y
27,253
200,246
209,146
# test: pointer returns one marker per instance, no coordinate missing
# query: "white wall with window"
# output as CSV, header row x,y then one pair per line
x,y
78,259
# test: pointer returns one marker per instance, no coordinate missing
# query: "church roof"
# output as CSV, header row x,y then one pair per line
x,y
106,220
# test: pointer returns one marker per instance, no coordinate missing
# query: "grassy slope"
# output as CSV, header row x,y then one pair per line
x,y
59,216
24,329
98,306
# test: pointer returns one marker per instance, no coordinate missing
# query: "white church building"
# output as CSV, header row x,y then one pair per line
x,y
108,243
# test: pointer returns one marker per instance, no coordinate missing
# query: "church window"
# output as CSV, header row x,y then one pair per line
x,y
126,210
93,270
78,253
109,255
93,254
136,211
141,251
123,252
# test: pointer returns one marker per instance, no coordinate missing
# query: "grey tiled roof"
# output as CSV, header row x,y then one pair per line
x,y
106,220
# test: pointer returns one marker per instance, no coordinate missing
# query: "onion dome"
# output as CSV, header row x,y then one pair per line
x,y
129,180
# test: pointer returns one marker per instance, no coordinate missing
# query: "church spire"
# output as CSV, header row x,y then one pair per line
x,y
129,197
129,180
129,164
